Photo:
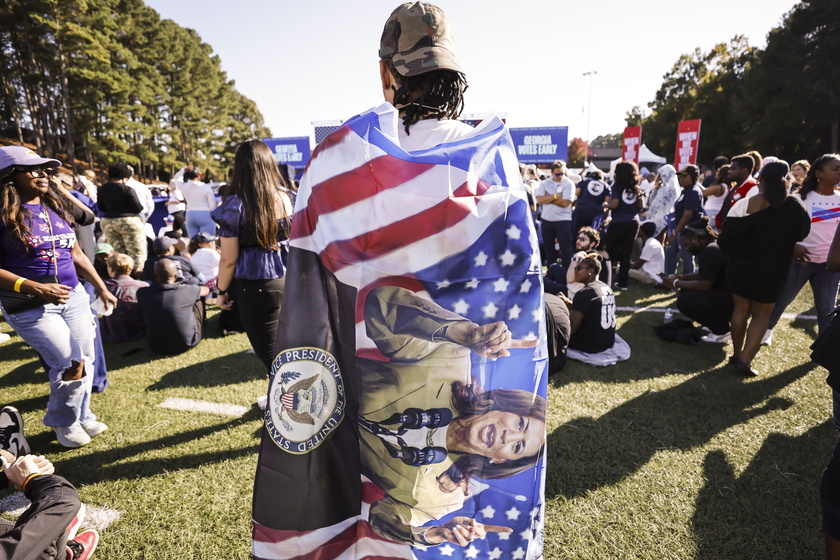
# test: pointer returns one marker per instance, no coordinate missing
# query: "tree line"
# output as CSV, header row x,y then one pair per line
x,y
783,100
109,80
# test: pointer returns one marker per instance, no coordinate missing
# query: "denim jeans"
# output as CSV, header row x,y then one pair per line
x,y
62,334
673,253
198,221
823,283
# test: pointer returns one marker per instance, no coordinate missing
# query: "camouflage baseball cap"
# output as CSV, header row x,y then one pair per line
x,y
418,39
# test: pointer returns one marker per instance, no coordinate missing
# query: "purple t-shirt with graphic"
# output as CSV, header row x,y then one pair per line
x,y
35,260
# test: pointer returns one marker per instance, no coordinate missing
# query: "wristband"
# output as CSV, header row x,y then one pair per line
x,y
18,283
28,478
555,196
221,292
675,283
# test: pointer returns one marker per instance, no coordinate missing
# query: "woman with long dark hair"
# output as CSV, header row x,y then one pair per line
x,y
820,193
759,235
426,384
254,230
625,203
40,293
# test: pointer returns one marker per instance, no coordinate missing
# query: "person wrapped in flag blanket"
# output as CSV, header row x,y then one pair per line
x,y
405,196
427,428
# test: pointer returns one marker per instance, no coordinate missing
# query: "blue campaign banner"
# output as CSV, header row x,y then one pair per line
x,y
541,144
293,151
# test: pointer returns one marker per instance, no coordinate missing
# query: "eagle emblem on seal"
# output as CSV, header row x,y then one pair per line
x,y
306,399
296,401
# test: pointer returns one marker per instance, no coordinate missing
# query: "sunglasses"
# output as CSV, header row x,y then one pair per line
x,y
36,172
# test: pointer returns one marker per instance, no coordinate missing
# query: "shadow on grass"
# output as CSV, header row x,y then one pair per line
x,y
738,516
24,374
120,355
16,350
98,466
586,453
807,326
651,356
225,370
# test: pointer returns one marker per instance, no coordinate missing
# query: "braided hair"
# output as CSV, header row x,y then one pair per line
x,y
438,94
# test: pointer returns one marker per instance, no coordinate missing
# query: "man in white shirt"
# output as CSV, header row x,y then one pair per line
x,y
556,194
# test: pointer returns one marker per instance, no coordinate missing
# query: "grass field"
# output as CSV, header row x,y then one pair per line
x,y
670,455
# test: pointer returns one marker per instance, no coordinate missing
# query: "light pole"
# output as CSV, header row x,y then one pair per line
x,y
591,74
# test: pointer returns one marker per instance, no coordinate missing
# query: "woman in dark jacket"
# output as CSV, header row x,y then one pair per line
x,y
759,235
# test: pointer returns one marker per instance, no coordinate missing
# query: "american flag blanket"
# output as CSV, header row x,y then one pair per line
x,y
389,250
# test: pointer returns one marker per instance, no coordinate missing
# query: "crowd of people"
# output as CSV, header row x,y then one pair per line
x,y
737,243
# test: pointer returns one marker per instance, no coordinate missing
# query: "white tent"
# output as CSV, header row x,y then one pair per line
x,y
645,156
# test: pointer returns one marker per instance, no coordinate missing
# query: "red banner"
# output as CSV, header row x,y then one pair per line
x,y
688,140
632,143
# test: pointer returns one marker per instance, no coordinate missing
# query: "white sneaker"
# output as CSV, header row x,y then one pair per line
x,y
717,339
262,401
71,436
11,432
767,340
94,427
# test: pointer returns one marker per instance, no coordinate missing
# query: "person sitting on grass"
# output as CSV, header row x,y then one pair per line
x,y
205,259
164,248
558,330
47,529
650,266
557,279
592,316
703,295
173,313
125,323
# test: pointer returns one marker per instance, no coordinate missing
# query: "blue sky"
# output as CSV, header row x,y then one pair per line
x,y
304,61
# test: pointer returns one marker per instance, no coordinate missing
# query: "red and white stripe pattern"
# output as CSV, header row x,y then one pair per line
x,y
373,212
352,539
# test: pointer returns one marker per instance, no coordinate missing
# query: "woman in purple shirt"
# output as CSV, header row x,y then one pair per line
x,y
254,231
40,294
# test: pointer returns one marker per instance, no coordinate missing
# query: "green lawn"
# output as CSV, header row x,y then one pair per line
x,y
668,455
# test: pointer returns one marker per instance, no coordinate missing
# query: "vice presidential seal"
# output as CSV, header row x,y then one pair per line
x,y
305,399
